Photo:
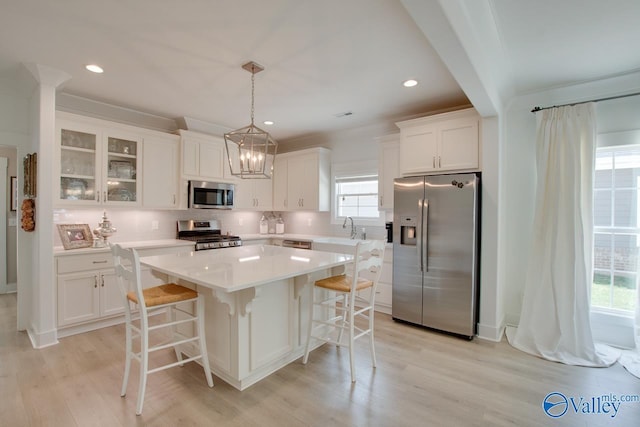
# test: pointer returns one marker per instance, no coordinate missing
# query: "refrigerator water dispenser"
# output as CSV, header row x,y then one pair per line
x,y
408,232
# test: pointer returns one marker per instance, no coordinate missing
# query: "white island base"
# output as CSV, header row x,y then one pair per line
x,y
251,336
254,326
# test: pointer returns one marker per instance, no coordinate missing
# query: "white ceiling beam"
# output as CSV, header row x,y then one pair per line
x,y
470,48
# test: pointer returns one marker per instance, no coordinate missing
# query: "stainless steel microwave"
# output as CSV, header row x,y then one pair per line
x,y
210,195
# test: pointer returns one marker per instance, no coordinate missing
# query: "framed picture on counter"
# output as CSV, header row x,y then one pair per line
x,y
75,236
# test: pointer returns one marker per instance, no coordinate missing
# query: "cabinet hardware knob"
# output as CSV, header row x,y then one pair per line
x,y
95,281
434,162
439,162
104,261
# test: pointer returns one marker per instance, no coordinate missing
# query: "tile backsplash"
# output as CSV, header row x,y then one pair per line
x,y
139,225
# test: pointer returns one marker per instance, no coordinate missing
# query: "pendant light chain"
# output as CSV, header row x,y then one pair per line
x,y
250,150
253,81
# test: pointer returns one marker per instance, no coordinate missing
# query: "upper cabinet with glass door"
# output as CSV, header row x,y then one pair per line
x,y
97,165
122,167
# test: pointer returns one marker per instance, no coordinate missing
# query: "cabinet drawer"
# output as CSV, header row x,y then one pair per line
x,y
84,262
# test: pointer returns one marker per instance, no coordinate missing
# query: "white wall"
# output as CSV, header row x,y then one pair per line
x,y
349,145
491,316
519,175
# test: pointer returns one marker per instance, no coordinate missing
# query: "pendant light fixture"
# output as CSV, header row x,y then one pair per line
x,y
250,150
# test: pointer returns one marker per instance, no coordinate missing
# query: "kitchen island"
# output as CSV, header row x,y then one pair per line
x,y
256,303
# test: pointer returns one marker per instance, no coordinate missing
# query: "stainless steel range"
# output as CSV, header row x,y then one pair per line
x,y
206,234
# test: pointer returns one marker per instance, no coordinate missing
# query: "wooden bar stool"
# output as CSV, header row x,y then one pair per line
x,y
163,297
352,295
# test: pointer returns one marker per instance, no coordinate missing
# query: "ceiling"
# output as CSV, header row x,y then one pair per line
x,y
321,58
551,43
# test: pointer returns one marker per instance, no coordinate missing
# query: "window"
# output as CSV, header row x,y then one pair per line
x,y
357,196
616,229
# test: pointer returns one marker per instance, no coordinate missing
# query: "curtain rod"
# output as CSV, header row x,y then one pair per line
x,y
536,109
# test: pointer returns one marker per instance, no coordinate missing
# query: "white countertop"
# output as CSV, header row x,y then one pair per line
x,y
143,244
234,269
303,237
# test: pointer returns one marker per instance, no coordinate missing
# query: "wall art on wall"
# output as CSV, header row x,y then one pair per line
x,y
30,164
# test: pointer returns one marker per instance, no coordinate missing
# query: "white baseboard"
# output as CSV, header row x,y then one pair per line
x,y
612,329
491,333
9,288
383,308
606,328
42,339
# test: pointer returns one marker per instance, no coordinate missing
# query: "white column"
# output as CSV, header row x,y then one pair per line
x,y
41,325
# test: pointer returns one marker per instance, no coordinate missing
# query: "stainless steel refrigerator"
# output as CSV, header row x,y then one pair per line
x,y
436,251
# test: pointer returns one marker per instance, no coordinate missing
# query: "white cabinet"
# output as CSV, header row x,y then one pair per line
x,y
302,180
384,291
388,169
203,156
280,183
160,180
96,164
440,143
254,193
87,289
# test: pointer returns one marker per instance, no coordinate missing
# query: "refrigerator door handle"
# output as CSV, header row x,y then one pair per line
x,y
425,237
419,232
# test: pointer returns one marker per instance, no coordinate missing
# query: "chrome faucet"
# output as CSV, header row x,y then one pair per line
x,y
354,233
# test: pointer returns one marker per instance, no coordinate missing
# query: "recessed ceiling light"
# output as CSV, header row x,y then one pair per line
x,y
268,122
94,68
410,83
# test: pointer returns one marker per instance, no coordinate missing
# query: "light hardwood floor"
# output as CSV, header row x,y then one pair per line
x,y
422,379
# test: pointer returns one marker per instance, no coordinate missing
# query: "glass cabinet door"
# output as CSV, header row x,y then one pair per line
x,y
122,177
78,165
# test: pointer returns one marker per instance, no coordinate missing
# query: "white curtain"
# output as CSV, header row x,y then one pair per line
x,y
554,323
